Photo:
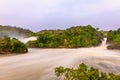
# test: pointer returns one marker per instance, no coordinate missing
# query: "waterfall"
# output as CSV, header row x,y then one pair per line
x,y
25,40
103,44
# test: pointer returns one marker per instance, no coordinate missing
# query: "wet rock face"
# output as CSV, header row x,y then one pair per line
x,y
4,52
113,46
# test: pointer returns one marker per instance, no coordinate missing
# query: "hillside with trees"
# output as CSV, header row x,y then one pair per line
x,y
8,45
14,31
74,37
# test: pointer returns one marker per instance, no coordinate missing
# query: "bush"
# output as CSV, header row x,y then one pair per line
x,y
12,45
82,72
114,36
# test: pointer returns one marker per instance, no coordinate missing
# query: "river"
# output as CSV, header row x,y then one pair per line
x,y
39,64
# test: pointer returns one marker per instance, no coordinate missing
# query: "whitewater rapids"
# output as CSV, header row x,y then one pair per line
x,y
39,64
25,40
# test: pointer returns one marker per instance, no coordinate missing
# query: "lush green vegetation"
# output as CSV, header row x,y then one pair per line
x,y
12,45
114,36
74,37
82,72
14,31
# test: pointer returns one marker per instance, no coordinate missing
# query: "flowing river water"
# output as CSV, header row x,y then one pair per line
x,y
39,64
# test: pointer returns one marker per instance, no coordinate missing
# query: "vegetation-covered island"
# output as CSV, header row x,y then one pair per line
x,y
8,45
74,37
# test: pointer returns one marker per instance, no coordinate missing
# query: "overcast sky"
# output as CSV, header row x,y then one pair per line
x,y
60,14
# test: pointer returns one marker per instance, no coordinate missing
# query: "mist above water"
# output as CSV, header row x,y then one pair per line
x,y
25,40
21,37
12,34
39,64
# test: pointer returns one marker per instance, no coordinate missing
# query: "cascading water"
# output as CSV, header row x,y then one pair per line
x,y
103,44
25,40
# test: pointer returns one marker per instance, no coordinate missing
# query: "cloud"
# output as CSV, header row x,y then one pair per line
x,y
84,8
54,13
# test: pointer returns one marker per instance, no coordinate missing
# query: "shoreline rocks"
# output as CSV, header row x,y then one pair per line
x,y
113,46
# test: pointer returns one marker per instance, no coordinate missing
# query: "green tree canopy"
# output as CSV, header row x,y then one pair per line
x,y
12,45
114,36
74,37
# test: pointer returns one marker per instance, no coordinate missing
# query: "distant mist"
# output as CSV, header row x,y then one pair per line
x,y
12,34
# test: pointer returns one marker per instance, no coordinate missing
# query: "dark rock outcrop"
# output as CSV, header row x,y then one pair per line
x,y
113,46
4,52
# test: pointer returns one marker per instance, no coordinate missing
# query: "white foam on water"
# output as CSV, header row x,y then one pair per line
x,y
39,64
25,40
